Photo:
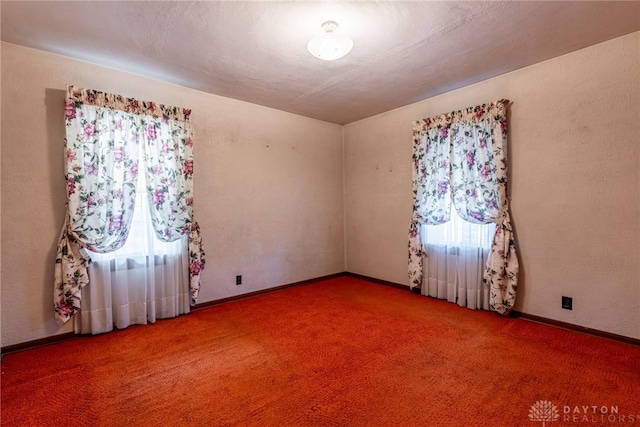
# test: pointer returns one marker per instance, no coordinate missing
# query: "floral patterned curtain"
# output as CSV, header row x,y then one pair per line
x,y
103,133
461,157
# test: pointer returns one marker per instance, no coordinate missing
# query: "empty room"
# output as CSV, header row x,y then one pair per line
x,y
320,213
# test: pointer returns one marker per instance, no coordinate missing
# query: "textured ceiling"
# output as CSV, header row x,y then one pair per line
x,y
256,51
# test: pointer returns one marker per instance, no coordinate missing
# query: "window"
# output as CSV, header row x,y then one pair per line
x,y
456,254
113,144
460,159
459,233
142,245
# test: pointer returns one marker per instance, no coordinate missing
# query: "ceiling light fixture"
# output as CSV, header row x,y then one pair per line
x,y
329,45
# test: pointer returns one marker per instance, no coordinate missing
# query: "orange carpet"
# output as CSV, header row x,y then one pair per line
x,y
343,352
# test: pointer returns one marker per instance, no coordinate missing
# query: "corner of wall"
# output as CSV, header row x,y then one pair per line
x,y
344,200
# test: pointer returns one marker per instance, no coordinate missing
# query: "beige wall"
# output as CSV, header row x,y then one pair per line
x,y
575,184
268,186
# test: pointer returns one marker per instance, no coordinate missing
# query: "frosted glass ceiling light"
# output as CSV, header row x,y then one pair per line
x,y
329,45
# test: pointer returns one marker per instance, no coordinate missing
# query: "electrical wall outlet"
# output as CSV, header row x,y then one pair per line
x,y
567,303
238,280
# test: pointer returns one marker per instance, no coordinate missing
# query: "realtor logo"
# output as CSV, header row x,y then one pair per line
x,y
545,411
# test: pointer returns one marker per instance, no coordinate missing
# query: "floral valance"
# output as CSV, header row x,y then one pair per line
x,y
496,110
77,96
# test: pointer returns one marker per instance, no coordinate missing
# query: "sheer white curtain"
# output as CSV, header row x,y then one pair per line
x,y
456,255
136,284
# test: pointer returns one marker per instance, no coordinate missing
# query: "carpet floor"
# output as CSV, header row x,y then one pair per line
x,y
341,352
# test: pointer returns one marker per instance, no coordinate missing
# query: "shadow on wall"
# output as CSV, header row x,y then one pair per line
x,y
54,103
521,292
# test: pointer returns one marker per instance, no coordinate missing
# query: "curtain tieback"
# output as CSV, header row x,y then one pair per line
x,y
504,217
